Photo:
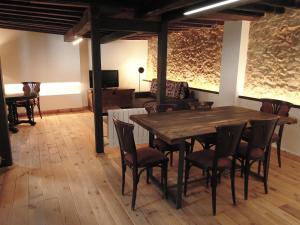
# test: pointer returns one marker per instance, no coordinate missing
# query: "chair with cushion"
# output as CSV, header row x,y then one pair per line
x,y
31,88
280,108
216,161
257,149
138,160
158,143
207,140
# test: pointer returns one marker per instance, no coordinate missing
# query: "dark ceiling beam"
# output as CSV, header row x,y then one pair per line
x,y
71,3
128,25
284,3
28,5
262,8
41,12
31,29
82,27
20,19
162,7
226,16
179,14
29,15
114,36
236,11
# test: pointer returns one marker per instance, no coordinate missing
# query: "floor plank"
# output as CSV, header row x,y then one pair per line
x,y
57,179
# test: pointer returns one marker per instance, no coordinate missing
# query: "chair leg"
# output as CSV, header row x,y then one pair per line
x,y
208,177
246,179
171,158
259,168
278,153
165,179
123,178
135,183
242,167
186,177
214,192
232,178
148,175
192,144
39,108
266,164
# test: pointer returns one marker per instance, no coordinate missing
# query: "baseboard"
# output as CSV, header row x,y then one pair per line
x,y
59,111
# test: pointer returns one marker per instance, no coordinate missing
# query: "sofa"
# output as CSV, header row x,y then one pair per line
x,y
177,93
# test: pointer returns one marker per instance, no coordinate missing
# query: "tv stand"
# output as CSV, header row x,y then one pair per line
x,y
112,97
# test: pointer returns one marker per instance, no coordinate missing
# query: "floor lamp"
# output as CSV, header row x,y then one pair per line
x,y
141,70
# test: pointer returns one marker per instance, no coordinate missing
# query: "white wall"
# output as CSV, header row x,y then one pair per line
x,y
126,56
30,56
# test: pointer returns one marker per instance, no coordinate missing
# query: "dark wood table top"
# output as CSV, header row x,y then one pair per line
x,y
19,97
176,126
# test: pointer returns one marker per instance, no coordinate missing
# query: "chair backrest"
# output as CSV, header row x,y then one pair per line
x,y
274,106
161,108
126,139
261,133
228,139
30,88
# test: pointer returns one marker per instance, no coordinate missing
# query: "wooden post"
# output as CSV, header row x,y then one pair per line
x,y
162,62
5,147
97,81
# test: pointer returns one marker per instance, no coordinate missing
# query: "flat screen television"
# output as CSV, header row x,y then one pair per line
x,y
110,78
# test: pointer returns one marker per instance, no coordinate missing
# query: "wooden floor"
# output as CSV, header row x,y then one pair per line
x,y
57,179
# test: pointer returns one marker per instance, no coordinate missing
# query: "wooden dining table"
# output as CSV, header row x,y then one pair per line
x,y
177,126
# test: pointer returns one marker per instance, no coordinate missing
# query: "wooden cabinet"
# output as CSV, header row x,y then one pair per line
x,y
122,98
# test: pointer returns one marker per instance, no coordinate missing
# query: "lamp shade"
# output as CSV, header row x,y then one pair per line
x,y
141,69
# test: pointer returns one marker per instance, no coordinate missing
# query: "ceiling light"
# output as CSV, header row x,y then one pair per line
x,y
77,41
205,8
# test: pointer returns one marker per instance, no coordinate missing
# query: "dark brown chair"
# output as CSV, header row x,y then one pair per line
x,y
31,88
207,140
138,160
280,108
216,161
158,143
257,149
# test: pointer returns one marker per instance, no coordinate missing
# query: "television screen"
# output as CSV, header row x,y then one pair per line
x,y
110,78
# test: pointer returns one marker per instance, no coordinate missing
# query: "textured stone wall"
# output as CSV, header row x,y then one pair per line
x,y
273,67
193,56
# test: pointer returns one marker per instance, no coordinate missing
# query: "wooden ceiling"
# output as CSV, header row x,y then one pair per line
x,y
70,17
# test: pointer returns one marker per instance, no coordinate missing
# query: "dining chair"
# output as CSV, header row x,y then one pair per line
x,y
257,149
30,88
138,160
216,161
207,140
158,143
280,108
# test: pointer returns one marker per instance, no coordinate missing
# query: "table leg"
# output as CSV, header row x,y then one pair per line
x,y
151,138
180,175
29,112
12,118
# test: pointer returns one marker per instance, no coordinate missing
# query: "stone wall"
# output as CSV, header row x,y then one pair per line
x,y
273,67
193,56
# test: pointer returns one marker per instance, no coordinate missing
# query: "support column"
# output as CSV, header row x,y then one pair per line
x,y
97,81
234,60
5,147
162,62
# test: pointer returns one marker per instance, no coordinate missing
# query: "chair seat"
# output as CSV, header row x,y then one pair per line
x,y
147,157
209,139
204,159
247,132
255,153
163,146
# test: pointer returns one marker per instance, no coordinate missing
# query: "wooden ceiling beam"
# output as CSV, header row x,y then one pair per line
x,y
31,29
114,36
28,5
28,15
82,27
65,3
284,3
128,25
262,8
179,14
40,12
